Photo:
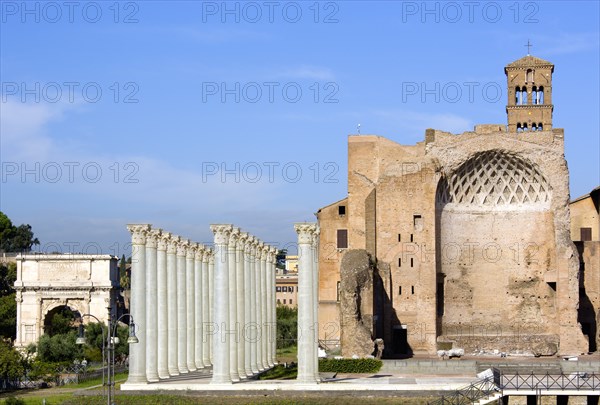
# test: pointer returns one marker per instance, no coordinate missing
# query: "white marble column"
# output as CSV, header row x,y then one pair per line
x,y
198,308
151,305
306,331
241,303
258,304
232,327
315,295
272,313
172,294
221,361
181,307
211,306
162,297
206,322
190,256
137,352
264,343
253,330
247,327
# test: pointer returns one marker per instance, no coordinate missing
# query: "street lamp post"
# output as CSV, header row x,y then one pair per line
x,y
108,349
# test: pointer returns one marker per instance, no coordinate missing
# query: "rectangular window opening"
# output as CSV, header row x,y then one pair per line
x,y
342,210
586,234
399,290
399,262
411,237
418,222
412,289
342,238
411,261
399,238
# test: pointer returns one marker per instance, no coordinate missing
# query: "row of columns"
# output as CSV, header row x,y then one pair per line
x,y
308,287
197,307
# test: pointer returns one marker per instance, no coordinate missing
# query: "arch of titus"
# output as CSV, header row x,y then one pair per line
x,y
84,283
197,307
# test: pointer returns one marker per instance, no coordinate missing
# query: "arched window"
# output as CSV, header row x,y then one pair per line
x,y
525,129
534,127
534,96
540,127
524,95
519,128
541,95
529,78
517,95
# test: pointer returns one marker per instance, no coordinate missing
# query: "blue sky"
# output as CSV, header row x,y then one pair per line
x,y
183,114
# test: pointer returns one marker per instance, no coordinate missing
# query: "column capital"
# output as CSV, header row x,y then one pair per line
x,y
200,248
305,231
221,232
163,240
152,237
138,233
234,237
243,241
172,243
182,247
190,252
206,254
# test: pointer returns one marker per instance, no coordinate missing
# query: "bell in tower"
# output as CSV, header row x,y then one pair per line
x,y
529,105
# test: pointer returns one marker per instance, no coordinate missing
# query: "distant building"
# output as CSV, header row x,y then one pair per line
x,y
291,264
286,289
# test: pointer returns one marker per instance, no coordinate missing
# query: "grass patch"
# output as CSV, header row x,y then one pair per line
x,y
97,381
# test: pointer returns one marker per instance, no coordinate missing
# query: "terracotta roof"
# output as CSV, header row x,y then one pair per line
x,y
529,60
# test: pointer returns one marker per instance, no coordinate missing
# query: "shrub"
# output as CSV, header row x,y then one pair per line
x,y
350,365
14,401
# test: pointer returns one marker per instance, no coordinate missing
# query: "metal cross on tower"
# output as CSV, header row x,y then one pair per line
x,y
528,47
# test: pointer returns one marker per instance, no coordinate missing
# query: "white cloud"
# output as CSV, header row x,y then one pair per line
x,y
308,72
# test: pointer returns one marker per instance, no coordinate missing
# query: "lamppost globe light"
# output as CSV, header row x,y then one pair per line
x,y
80,340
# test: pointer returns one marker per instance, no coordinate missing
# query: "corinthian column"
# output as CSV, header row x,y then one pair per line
x,y
211,305
263,306
241,303
306,330
137,352
247,323
199,308
151,306
172,294
190,255
253,330
258,304
315,295
232,327
181,307
206,321
161,317
221,363
272,312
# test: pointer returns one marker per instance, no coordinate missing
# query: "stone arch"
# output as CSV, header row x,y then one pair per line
x,y
495,245
55,309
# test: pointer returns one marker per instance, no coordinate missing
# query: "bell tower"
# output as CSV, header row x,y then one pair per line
x,y
529,92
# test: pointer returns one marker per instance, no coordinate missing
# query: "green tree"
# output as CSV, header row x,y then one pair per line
x,y
287,326
61,321
15,238
8,305
280,258
11,362
59,348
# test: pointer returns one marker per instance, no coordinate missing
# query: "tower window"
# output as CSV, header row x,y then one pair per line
x,y
534,127
529,76
517,95
412,289
540,127
411,261
399,290
534,96
525,129
519,127
541,95
524,95
399,262
342,210
399,238
586,234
